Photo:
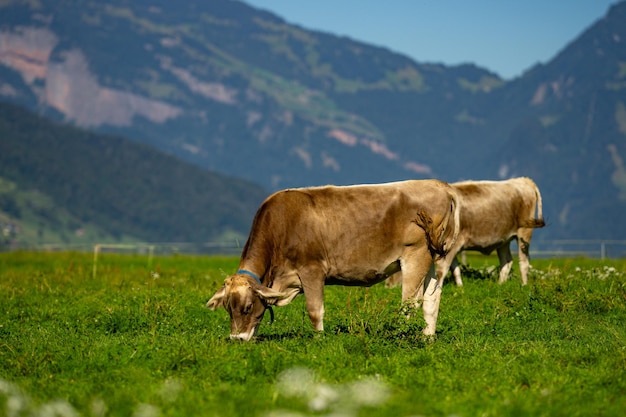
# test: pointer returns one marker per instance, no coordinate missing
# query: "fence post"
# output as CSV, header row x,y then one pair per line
x,y
602,250
96,250
150,254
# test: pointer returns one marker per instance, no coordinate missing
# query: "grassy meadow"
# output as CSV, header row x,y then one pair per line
x,y
136,340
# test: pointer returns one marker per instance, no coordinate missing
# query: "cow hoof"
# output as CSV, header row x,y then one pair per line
x,y
428,338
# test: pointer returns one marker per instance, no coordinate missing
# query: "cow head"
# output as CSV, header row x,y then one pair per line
x,y
246,301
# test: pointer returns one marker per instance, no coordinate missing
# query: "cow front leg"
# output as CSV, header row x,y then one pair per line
x,y
506,262
456,272
443,265
313,288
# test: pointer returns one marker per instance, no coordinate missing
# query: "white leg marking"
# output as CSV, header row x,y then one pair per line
x,y
456,272
432,298
506,262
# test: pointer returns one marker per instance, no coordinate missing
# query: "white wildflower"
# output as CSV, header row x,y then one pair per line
x,y
369,392
284,413
16,402
147,410
170,389
296,382
324,397
15,405
98,407
58,409
340,400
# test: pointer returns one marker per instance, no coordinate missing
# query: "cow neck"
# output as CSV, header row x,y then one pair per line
x,y
251,274
254,259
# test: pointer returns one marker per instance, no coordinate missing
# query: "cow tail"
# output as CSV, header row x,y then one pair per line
x,y
538,221
456,212
435,246
436,237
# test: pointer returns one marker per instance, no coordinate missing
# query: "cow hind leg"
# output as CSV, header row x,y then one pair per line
x,y
523,243
419,283
432,298
415,264
506,262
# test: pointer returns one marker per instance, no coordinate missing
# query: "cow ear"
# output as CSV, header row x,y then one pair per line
x,y
217,300
273,297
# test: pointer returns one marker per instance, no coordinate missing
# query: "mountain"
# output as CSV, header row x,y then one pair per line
x,y
568,130
230,88
242,92
64,184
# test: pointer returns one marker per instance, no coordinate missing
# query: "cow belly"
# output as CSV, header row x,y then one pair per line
x,y
365,277
487,246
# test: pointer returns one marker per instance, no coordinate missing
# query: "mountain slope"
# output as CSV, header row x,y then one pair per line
x,y
194,78
570,130
124,188
242,92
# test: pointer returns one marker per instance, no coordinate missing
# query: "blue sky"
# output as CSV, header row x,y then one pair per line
x,y
504,36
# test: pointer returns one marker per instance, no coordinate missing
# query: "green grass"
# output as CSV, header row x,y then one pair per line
x,y
138,341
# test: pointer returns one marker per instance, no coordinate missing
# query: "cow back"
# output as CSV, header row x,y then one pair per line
x,y
493,211
364,225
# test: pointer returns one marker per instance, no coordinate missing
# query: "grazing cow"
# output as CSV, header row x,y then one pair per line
x,y
303,239
493,213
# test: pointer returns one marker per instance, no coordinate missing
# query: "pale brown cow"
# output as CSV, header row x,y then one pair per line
x,y
303,239
493,213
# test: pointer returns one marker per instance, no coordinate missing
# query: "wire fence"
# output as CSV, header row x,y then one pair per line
x,y
149,248
597,248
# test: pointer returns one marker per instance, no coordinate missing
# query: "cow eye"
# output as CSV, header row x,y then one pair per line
x,y
247,308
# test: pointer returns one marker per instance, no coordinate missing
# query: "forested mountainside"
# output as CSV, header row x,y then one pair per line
x,y
65,184
242,92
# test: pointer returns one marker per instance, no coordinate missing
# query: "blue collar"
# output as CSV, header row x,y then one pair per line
x,y
252,274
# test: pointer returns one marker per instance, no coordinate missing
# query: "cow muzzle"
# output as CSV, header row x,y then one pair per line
x,y
244,336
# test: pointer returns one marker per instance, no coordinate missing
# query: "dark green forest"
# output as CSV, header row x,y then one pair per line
x,y
128,189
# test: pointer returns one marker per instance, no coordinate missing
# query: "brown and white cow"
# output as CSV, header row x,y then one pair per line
x,y
493,213
303,239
